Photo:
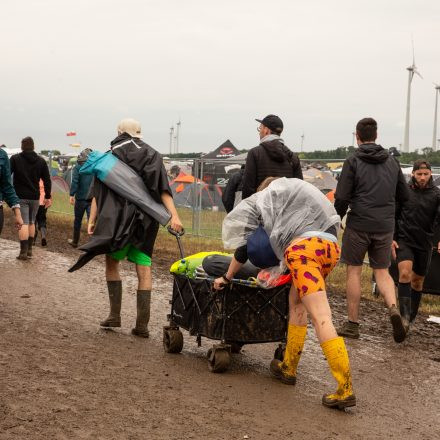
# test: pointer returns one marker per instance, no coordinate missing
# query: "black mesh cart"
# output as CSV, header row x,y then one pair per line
x,y
235,316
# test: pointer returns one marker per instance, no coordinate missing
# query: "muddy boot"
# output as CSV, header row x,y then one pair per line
x,y
23,255
286,370
74,242
30,244
400,325
415,303
349,329
143,313
43,237
115,297
337,358
404,293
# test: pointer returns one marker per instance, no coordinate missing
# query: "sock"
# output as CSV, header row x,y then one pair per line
x,y
404,290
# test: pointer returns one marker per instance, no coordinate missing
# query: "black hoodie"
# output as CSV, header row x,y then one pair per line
x,y
417,218
269,159
371,183
27,168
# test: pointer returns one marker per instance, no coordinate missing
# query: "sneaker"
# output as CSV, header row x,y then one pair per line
x,y
400,326
349,330
43,242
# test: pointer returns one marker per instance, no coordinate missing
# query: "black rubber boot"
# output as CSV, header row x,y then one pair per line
x,y
415,303
404,293
35,236
115,297
74,242
43,236
30,244
400,326
23,255
143,313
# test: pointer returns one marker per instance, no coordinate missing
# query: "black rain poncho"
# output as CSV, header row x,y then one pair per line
x,y
121,222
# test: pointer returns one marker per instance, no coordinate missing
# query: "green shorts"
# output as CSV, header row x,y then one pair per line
x,y
132,254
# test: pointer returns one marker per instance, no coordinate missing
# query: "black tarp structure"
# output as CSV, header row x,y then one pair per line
x,y
214,168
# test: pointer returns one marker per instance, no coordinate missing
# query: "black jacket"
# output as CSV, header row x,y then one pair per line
x,y
27,169
269,159
371,183
235,183
417,218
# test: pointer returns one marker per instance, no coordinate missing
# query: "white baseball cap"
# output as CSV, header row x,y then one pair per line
x,y
131,127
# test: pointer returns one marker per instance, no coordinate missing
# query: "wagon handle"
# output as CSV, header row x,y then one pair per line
x,y
174,232
179,242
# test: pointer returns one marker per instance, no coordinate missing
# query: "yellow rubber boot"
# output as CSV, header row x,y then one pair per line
x,y
286,370
337,358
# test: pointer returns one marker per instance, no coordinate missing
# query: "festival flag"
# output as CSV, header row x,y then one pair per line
x,y
71,133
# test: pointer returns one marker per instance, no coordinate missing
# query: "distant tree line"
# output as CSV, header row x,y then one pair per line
x,y
343,152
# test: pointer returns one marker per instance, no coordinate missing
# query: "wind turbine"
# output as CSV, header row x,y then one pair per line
x,y
171,139
302,142
434,134
411,71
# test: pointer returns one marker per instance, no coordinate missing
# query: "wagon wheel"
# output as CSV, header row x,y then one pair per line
x,y
279,352
172,340
218,360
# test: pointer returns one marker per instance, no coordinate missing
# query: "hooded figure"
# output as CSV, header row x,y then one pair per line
x,y
271,158
79,195
27,169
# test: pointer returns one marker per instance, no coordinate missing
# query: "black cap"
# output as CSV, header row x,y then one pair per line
x,y
421,164
273,123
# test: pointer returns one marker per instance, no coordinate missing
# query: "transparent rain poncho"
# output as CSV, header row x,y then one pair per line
x,y
286,209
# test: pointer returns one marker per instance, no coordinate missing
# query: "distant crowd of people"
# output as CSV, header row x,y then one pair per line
x,y
289,219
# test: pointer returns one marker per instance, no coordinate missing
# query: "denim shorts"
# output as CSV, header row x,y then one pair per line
x,y
29,209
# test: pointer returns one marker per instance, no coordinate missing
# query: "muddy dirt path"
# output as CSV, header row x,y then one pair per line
x,y
62,377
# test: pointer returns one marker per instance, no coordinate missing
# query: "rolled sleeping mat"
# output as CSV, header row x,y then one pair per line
x,y
125,182
217,265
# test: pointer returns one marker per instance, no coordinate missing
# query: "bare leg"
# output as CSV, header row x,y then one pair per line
x,y
144,277
297,311
353,292
318,307
23,233
386,286
111,269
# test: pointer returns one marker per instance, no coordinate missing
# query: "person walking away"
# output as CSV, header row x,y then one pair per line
x,y
147,162
27,169
413,242
7,191
305,239
41,219
371,183
269,159
231,196
79,195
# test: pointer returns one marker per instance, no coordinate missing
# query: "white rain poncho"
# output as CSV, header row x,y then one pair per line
x,y
286,209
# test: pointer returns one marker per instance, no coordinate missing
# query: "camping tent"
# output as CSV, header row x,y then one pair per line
x,y
199,195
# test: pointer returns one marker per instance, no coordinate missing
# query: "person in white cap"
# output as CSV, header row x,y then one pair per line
x,y
147,162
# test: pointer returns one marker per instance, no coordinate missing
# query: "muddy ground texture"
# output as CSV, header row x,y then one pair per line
x,y
62,377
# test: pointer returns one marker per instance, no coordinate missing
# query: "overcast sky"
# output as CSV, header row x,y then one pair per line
x,y
320,65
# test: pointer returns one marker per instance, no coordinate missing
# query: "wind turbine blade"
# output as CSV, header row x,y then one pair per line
x,y
418,73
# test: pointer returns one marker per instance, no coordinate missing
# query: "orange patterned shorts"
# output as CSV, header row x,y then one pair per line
x,y
310,261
